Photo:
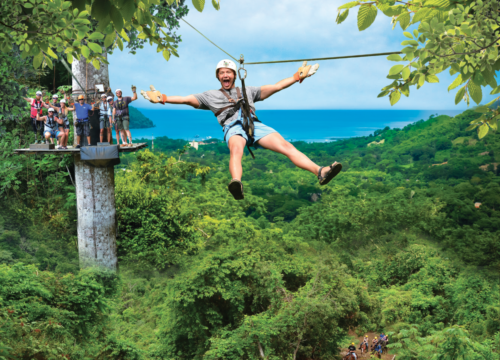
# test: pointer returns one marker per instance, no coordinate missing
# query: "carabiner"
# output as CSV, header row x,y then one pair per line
x,y
242,61
239,74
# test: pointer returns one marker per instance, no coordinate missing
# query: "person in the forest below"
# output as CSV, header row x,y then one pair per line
x,y
364,344
36,108
82,120
352,350
121,114
63,115
51,126
224,103
105,118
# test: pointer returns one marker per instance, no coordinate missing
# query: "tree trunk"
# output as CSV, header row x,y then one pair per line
x,y
95,187
95,199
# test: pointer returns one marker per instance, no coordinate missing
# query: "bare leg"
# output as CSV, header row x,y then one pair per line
x,y
108,132
88,140
129,135
101,134
236,146
276,143
123,136
117,132
67,137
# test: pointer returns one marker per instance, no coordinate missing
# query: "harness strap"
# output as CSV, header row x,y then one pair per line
x,y
230,99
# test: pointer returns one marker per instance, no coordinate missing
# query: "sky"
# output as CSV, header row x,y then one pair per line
x,y
265,30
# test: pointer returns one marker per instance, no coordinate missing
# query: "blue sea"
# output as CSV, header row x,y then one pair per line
x,y
305,125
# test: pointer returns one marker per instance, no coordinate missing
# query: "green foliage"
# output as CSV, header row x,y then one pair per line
x,y
394,244
48,316
462,37
43,29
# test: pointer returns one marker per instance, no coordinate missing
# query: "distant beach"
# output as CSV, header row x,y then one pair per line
x,y
304,125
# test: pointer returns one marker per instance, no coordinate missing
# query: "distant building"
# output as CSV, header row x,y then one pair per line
x,y
194,144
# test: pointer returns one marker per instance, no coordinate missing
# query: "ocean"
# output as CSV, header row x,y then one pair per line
x,y
294,125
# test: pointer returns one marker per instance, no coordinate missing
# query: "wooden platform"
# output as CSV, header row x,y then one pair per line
x,y
133,148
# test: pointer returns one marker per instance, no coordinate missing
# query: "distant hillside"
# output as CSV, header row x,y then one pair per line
x,y
138,120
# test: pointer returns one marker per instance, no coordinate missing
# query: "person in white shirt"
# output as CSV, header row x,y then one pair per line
x,y
105,117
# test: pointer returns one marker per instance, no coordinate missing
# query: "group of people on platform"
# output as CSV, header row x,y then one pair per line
x,y
55,125
377,345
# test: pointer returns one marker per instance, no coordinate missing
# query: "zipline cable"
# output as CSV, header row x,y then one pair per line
x,y
320,59
199,32
288,61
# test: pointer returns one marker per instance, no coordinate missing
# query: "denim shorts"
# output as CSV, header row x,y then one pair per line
x,y
235,127
53,133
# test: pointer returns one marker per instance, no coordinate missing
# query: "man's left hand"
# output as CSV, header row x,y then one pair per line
x,y
305,71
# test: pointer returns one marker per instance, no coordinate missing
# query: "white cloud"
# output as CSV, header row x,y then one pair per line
x,y
271,30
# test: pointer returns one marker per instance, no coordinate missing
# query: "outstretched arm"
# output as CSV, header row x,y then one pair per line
x,y
183,100
268,90
155,96
303,72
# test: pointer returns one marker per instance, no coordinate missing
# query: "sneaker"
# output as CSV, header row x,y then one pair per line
x,y
65,147
59,147
47,142
78,146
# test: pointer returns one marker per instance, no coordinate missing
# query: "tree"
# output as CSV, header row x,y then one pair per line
x,y
43,28
462,36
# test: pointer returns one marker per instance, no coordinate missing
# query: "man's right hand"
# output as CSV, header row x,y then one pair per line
x,y
154,96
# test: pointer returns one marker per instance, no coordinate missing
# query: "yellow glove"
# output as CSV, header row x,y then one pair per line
x,y
154,95
305,71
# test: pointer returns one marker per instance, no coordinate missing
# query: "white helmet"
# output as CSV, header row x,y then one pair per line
x,y
54,96
103,95
109,98
62,101
225,64
39,93
120,90
51,109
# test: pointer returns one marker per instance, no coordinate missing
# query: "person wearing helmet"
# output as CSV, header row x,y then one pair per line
x,y
364,345
63,115
121,114
225,103
36,108
105,115
110,101
352,350
50,126
374,343
82,120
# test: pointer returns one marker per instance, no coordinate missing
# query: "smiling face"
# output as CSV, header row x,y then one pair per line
x,y
119,94
227,78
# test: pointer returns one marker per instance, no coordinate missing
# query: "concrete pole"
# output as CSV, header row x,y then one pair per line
x,y
95,187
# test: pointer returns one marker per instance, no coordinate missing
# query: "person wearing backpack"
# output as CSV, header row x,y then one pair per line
x,y
36,108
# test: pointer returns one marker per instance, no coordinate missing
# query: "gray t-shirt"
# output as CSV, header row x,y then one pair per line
x,y
215,100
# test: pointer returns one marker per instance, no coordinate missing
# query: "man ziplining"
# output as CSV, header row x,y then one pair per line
x,y
226,104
